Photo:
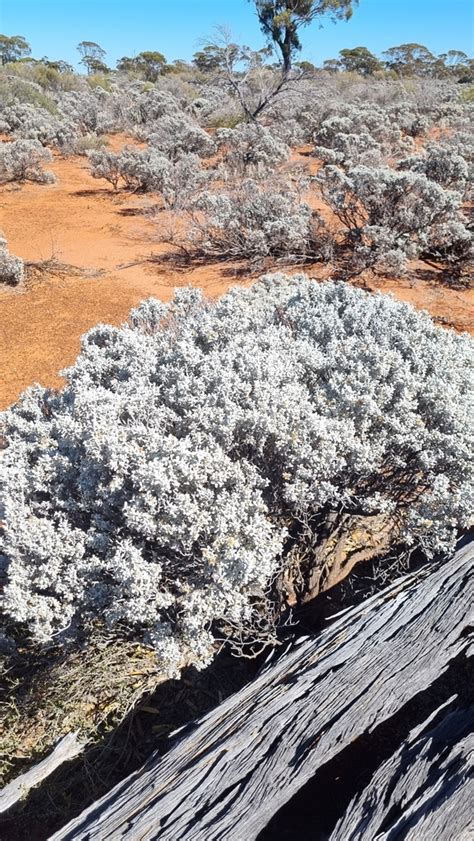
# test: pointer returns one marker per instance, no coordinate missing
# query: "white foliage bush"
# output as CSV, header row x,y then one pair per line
x,y
154,493
254,223
392,216
151,106
440,164
147,170
141,169
21,160
350,150
370,121
250,150
174,136
106,165
32,122
89,111
12,269
181,181
289,132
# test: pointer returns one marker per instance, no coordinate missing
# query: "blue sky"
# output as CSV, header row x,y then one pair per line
x,y
175,27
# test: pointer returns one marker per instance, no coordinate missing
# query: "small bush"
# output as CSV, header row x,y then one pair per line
x,y
31,122
175,136
151,106
12,269
350,150
250,151
251,223
216,427
440,164
372,123
21,160
467,95
14,91
146,170
390,217
106,165
88,143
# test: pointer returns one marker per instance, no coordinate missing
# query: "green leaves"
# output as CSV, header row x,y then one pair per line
x,y
280,21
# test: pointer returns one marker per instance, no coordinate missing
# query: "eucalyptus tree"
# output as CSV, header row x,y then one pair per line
x,y
282,20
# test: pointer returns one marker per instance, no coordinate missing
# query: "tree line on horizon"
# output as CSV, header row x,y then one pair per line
x,y
280,21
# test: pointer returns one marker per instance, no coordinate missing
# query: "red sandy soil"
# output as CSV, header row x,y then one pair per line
x,y
82,223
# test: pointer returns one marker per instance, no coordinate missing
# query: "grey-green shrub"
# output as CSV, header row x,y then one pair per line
x,y
22,160
154,492
12,268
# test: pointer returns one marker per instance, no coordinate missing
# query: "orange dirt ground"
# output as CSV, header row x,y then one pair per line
x,y
82,223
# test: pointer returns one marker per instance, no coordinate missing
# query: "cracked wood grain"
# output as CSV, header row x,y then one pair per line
x,y
225,777
67,748
425,790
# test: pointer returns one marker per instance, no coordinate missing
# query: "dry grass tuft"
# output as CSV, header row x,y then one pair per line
x,y
91,690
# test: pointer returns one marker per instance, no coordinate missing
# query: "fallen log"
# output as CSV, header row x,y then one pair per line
x,y
67,748
425,790
228,774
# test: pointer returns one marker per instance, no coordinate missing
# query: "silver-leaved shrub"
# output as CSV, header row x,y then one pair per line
x,y
155,491
22,160
174,136
253,223
440,164
393,216
250,151
12,268
148,170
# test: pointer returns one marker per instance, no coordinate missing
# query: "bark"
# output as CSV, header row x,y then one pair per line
x,y
425,790
227,775
68,748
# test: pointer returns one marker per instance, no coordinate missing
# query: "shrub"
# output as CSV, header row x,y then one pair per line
x,y
151,106
146,170
250,150
350,150
30,122
154,493
440,164
19,91
88,111
181,181
216,108
289,132
368,121
106,165
467,95
252,223
391,216
140,169
21,160
88,143
174,136
12,269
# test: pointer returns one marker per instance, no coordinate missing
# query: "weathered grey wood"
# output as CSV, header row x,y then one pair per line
x,y
425,790
67,748
226,777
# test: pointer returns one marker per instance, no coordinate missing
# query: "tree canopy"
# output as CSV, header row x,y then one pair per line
x,y
360,60
92,57
13,48
281,20
148,64
409,59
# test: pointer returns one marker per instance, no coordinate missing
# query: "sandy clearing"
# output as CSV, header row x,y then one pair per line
x,y
81,222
